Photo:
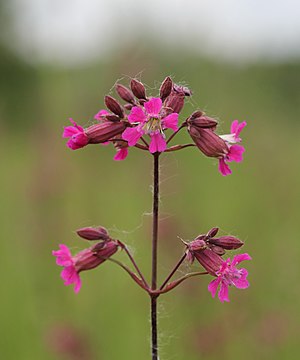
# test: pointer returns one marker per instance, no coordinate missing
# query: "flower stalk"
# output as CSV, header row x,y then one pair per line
x,y
142,122
154,343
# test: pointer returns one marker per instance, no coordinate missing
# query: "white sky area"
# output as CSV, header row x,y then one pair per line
x,y
75,31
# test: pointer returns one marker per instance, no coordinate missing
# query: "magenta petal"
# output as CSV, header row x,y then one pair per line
x,y
224,168
78,127
121,154
223,293
63,256
157,144
77,141
77,283
153,106
68,275
132,135
239,258
242,282
171,122
234,126
69,131
213,286
137,115
235,153
100,114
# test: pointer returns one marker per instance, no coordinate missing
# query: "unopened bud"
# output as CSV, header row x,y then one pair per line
x,y
112,118
138,89
90,233
194,246
227,242
197,244
103,132
217,249
212,232
166,88
175,101
90,258
113,105
125,93
182,90
200,120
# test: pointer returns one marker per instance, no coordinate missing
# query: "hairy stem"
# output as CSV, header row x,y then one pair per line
x,y
177,282
176,132
173,271
178,147
135,266
154,343
132,274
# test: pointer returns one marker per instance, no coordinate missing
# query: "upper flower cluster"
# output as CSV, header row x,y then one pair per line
x,y
142,118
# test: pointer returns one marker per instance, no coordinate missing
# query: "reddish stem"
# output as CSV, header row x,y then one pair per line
x,y
176,132
154,343
173,271
178,147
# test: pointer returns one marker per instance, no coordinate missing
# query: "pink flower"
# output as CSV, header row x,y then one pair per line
x,y
98,133
149,121
85,260
228,275
78,138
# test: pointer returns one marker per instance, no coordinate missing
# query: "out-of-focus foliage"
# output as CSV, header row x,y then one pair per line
x,y
48,191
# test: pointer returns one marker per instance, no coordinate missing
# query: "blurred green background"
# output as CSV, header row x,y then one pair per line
x,y
48,191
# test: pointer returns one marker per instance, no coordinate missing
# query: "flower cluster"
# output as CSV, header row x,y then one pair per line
x,y
144,121
86,259
208,250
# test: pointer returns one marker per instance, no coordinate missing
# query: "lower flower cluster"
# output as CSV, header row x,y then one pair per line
x,y
206,249
86,259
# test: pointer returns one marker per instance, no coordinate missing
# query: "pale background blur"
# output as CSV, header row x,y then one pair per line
x,y
58,59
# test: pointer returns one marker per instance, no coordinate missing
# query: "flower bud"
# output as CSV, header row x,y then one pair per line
x,y
90,258
125,93
175,101
208,142
103,132
112,118
182,90
166,88
227,242
200,120
90,233
113,105
198,244
138,89
212,232
217,249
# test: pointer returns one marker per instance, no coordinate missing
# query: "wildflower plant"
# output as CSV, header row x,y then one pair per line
x,y
150,124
